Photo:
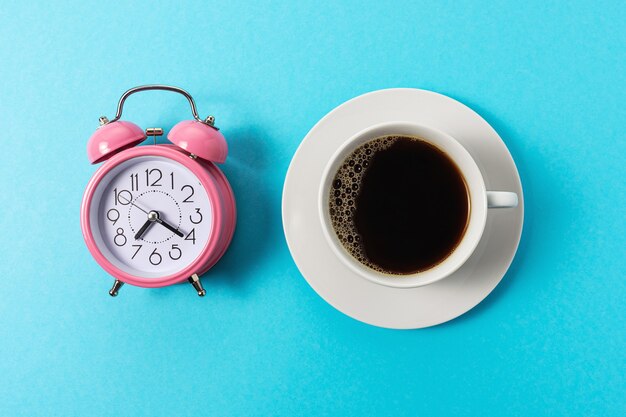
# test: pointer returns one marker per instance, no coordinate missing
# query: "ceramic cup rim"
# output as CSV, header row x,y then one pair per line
x,y
477,194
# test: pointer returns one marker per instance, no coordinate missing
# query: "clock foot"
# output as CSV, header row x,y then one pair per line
x,y
115,288
197,285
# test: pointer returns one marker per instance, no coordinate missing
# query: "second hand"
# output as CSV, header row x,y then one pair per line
x,y
131,203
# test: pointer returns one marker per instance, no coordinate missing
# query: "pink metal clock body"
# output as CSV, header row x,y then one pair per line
x,y
222,204
185,239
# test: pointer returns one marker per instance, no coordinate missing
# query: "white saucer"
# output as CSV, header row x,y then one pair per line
x,y
373,303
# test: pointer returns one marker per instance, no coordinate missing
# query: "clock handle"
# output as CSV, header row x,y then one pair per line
x,y
194,112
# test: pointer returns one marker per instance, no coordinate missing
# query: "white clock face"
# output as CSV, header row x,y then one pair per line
x,y
150,217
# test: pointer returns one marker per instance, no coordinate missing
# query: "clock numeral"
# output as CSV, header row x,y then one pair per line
x,y
154,183
172,178
191,236
123,197
187,200
119,239
134,182
176,250
137,251
155,257
199,214
113,215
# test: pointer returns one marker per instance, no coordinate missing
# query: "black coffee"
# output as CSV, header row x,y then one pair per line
x,y
399,205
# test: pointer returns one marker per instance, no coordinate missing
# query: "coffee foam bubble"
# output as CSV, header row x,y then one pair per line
x,y
344,191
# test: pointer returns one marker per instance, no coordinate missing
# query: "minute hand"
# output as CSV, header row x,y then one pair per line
x,y
170,227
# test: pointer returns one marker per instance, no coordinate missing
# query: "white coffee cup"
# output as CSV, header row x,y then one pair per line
x,y
479,198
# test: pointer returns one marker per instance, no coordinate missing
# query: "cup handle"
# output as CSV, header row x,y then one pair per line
x,y
501,199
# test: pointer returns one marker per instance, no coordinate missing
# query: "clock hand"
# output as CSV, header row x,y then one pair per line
x,y
154,218
143,229
170,227
132,204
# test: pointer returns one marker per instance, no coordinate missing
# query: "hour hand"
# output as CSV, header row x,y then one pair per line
x,y
143,229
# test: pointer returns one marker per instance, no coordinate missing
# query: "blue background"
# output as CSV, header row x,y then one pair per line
x,y
550,340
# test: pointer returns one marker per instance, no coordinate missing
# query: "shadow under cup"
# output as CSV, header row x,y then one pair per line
x,y
475,195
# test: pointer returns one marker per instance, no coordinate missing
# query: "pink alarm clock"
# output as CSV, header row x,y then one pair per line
x,y
157,215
